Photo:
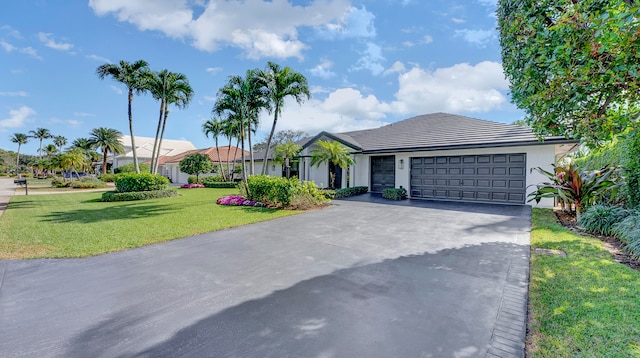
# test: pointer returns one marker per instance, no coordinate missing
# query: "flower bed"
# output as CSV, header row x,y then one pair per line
x,y
191,186
238,200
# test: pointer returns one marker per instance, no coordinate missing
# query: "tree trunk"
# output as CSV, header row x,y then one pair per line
x,y
219,160
133,140
251,163
105,153
273,129
155,142
164,126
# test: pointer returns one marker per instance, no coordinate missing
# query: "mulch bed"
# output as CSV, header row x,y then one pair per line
x,y
611,244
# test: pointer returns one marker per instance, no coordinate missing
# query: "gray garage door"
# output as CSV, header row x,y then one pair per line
x,y
490,178
383,172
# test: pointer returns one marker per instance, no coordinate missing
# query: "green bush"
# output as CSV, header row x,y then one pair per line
x,y
347,192
192,180
628,231
306,196
220,184
275,192
58,182
394,193
130,182
601,218
129,168
85,184
138,195
107,178
211,179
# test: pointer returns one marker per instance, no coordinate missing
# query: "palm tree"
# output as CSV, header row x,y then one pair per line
x,y
59,141
50,150
107,140
214,127
86,147
281,83
331,153
168,88
132,76
285,152
41,134
20,139
72,160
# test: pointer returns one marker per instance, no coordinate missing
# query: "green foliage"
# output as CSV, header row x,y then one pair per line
x,y
275,192
580,189
84,184
570,65
130,168
138,195
331,152
132,182
307,196
347,192
196,164
394,193
107,178
632,167
601,218
58,182
220,184
628,231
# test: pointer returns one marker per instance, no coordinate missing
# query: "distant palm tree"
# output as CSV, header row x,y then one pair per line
x,y
72,160
281,83
107,140
284,154
20,139
41,134
59,141
215,128
331,153
131,75
168,88
86,147
50,149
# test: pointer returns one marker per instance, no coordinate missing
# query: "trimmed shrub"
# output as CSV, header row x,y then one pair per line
x,y
107,178
84,184
628,231
220,184
347,192
58,182
130,182
275,192
601,218
129,168
211,179
394,193
138,195
307,196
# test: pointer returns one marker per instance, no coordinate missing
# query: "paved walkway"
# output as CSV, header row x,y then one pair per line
x,y
357,279
7,190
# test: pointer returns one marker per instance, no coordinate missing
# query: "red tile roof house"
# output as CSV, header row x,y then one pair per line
x,y
441,156
169,166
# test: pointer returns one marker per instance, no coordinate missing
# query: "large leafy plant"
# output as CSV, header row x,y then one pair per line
x,y
578,188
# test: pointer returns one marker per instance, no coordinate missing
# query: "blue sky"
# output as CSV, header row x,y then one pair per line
x,y
368,63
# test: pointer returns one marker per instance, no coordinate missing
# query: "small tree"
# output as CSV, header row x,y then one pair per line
x,y
331,152
196,164
285,153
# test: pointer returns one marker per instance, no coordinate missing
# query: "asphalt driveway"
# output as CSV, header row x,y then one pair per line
x,y
357,279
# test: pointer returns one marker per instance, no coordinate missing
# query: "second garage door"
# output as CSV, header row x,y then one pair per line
x,y
496,178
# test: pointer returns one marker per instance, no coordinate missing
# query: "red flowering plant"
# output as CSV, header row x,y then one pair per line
x,y
191,186
238,200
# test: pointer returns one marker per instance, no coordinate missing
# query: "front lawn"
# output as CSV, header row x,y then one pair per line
x,y
78,225
582,305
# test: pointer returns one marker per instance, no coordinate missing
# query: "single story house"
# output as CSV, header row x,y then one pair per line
x,y
442,156
169,166
144,148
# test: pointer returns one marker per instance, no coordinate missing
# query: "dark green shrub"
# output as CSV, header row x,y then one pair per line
x,y
275,192
628,231
220,184
129,168
130,182
347,192
192,180
107,178
58,182
85,184
394,193
211,179
306,196
601,218
138,195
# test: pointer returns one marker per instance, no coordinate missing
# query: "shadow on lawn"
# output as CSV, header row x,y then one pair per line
x,y
124,211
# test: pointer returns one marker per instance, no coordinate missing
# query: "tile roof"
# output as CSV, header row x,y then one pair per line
x,y
226,154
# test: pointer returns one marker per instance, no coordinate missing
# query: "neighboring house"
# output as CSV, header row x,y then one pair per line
x,y
442,156
144,148
169,166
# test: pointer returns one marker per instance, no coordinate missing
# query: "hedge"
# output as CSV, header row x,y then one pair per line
x,y
131,182
220,184
394,193
347,192
138,195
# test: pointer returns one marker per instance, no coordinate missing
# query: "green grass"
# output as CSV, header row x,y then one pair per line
x,y
78,225
582,305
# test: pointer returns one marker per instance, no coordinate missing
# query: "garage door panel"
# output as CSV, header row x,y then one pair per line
x,y
487,177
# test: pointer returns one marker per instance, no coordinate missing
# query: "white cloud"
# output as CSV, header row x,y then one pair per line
x,y
7,46
11,31
239,23
477,37
210,98
74,123
213,70
397,67
427,39
17,118
459,88
116,89
47,40
14,94
458,20
323,69
30,51
99,58
351,103
408,44
83,114
371,60
355,23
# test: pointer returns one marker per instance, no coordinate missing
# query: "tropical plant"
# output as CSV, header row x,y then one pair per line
x,y
129,168
168,88
40,134
131,75
196,164
59,141
20,139
579,189
281,83
285,153
50,149
215,128
72,160
570,65
331,152
601,218
107,140
129,182
86,147
628,231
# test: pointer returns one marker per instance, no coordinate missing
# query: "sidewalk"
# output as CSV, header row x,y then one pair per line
x,y
7,190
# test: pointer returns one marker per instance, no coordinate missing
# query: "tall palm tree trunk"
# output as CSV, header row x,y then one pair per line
x,y
164,125
235,155
220,160
252,165
273,129
105,153
133,140
154,158
18,159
